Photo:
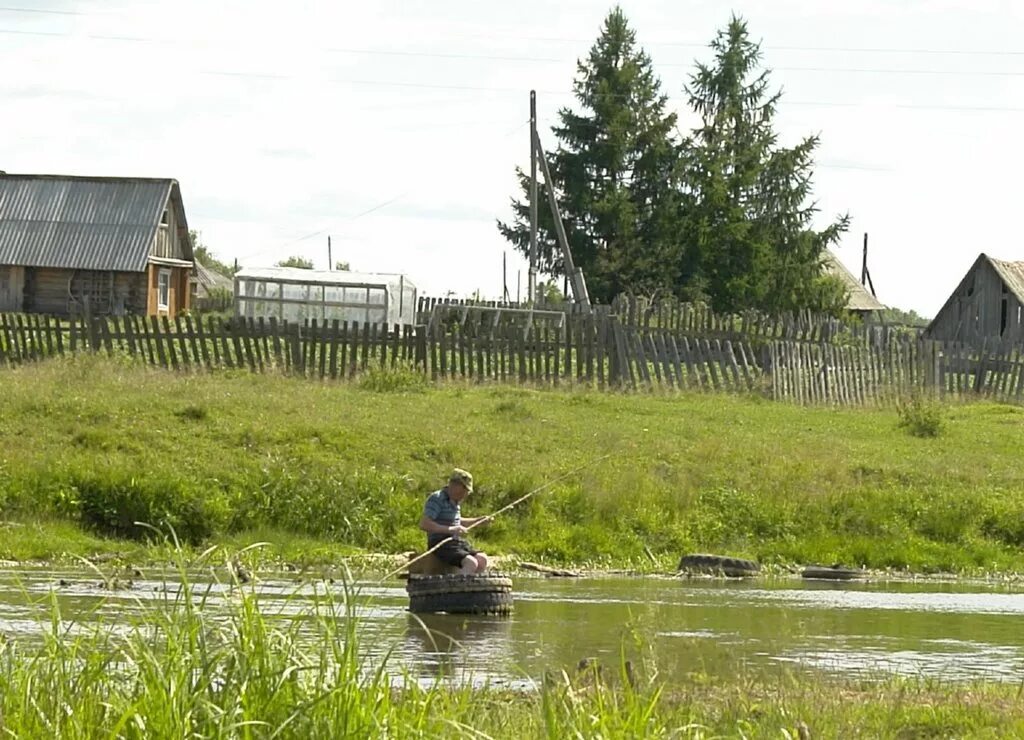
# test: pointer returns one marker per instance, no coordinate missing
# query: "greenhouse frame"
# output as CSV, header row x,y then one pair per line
x,y
294,295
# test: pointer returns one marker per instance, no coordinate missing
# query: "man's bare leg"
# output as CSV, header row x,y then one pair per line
x,y
472,564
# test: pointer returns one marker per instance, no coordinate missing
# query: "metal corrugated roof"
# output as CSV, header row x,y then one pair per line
x,y
86,223
860,298
1012,273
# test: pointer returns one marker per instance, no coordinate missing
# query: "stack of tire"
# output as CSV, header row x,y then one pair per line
x,y
460,594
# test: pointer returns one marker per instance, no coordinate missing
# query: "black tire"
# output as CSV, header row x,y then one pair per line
x,y
465,602
460,594
458,583
833,573
718,565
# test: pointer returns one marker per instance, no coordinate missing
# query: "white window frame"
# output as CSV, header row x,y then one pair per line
x,y
163,289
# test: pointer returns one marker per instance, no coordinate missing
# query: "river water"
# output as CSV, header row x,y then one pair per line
x,y
693,627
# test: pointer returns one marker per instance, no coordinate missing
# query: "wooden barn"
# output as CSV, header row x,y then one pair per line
x,y
985,307
860,301
211,290
102,245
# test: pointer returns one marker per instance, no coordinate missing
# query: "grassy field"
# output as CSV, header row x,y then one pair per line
x,y
89,446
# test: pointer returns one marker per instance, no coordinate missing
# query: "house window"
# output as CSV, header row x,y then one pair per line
x,y
163,289
163,219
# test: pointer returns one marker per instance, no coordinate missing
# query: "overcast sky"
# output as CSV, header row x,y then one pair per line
x,y
395,127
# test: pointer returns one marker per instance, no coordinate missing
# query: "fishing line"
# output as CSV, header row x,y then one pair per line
x,y
501,511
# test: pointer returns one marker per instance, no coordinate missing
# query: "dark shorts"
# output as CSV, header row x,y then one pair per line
x,y
453,552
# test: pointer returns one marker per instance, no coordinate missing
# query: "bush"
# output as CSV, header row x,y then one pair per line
x,y
920,417
365,508
113,504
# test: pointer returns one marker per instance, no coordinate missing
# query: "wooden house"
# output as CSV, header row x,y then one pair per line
x,y
102,245
860,301
985,307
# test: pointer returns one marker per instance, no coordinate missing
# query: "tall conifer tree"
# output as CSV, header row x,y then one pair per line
x,y
614,174
748,237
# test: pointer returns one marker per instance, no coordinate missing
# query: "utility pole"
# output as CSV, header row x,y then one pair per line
x,y
865,276
330,262
504,276
531,282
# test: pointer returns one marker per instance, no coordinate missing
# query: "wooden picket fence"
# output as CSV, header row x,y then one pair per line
x,y
326,350
597,350
699,319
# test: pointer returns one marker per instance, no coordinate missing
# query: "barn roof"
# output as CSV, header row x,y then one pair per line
x,y
1012,274
84,223
211,278
860,299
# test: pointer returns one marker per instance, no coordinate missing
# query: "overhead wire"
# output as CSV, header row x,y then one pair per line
x,y
492,89
508,507
372,209
535,59
41,11
543,39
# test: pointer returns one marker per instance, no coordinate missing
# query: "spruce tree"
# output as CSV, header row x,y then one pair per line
x,y
747,235
613,171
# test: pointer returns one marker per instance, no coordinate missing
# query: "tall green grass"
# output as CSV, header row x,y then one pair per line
x,y
198,666
102,443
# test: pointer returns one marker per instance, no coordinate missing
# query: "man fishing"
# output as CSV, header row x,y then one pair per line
x,y
442,521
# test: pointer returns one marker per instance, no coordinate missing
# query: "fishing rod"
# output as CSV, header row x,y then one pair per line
x,y
502,510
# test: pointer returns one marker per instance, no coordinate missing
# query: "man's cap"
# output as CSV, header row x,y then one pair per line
x,y
461,476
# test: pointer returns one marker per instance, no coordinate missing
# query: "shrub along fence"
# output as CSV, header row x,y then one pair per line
x,y
553,348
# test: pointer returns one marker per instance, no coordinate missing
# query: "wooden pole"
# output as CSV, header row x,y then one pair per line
x,y
865,276
504,276
531,281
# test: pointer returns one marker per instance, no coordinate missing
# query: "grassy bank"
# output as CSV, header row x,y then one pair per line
x,y
89,446
187,668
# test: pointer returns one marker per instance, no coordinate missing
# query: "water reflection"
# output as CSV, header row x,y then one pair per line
x,y
950,631
987,662
454,645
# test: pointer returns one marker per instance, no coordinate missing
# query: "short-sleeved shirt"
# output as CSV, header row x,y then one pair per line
x,y
442,510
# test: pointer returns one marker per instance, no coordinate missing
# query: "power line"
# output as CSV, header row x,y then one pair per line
x,y
670,44
40,11
533,59
771,47
870,70
439,55
270,76
273,77
563,93
277,77
366,212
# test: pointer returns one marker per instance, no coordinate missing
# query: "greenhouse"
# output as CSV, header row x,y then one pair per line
x,y
294,294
